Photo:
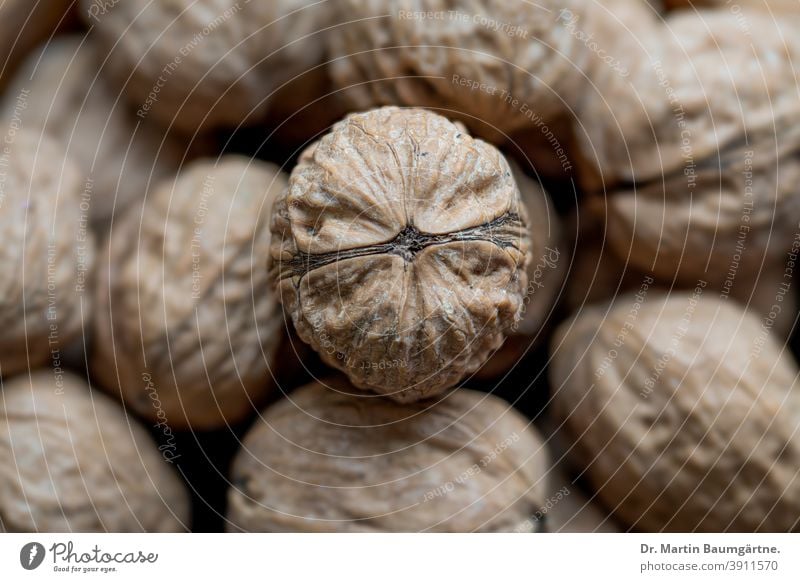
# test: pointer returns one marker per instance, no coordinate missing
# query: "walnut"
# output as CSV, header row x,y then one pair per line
x,y
329,459
399,249
187,326
74,462
702,162
499,66
213,63
683,412
57,92
47,254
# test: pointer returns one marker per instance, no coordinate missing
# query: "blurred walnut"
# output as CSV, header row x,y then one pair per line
x,y
399,250
24,24
500,66
213,63
58,93
73,462
187,324
329,459
740,7
47,255
683,412
701,163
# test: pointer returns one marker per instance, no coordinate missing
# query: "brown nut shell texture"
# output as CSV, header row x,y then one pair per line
x,y
399,249
211,63
683,413
187,324
72,461
329,459
47,256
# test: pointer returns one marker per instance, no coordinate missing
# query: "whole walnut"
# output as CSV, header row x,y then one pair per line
x,y
72,461
57,92
187,324
328,459
47,255
399,249
498,65
683,413
702,164
213,63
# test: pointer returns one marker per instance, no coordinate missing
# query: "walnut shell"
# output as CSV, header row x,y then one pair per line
x,y
704,151
683,412
213,63
415,53
72,461
47,254
399,249
24,25
187,325
330,460
57,92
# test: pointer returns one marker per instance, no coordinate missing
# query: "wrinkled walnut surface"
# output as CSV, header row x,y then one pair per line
x,y
72,461
399,250
328,459
388,54
47,255
184,285
212,63
699,145
689,422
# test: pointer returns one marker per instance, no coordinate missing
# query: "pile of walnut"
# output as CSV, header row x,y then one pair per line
x,y
325,233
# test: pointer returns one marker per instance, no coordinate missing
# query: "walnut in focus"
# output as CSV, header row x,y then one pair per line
x,y
47,255
330,459
187,322
213,63
58,92
72,461
683,412
399,249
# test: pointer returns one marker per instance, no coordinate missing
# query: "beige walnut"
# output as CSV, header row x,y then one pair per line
x,y
187,324
331,459
47,255
213,63
399,249
72,461
701,159
498,65
58,92
683,412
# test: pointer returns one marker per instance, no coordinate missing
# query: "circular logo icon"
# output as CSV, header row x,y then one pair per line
x,y
31,555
